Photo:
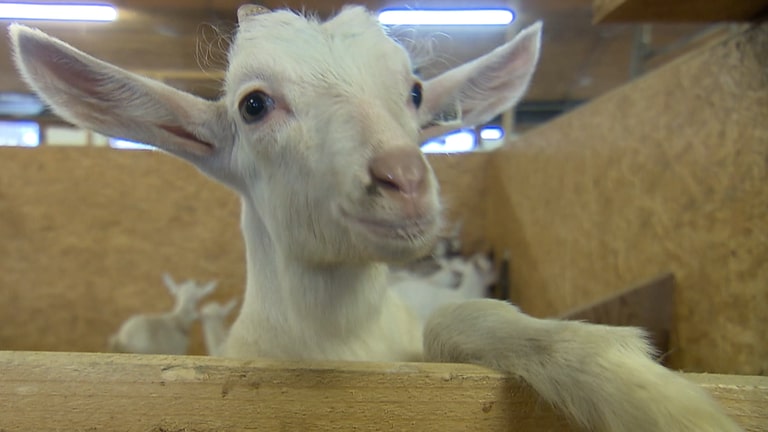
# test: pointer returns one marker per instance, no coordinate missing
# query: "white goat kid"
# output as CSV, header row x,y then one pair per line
x,y
318,131
213,317
457,279
166,333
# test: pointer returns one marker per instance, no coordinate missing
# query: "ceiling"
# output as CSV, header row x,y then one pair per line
x,y
183,42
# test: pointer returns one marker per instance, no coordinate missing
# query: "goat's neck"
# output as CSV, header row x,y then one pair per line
x,y
328,302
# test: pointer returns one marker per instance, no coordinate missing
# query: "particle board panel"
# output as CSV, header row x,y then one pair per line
x,y
87,232
464,191
613,11
43,391
668,173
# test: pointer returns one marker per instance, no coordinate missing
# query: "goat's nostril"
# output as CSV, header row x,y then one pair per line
x,y
402,170
386,183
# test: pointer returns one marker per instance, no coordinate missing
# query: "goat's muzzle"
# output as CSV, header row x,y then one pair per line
x,y
401,175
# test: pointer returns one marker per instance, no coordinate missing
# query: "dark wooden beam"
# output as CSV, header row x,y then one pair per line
x,y
612,11
649,305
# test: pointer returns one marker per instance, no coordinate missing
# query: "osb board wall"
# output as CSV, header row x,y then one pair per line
x,y
85,234
464,192
669,173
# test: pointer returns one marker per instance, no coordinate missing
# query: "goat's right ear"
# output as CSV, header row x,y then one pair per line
x,y
477,91
99,96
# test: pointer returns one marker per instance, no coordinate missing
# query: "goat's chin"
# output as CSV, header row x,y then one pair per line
x,y
394,239
396,252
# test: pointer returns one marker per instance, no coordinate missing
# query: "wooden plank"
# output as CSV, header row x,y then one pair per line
x,y
610,11
42,391
649,305
94,392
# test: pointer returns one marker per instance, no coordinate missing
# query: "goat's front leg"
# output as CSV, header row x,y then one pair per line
x,y
603,377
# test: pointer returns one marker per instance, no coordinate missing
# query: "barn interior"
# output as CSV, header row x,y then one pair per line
x,y
627,187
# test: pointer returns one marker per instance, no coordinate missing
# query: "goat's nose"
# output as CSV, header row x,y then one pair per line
x,y
401,170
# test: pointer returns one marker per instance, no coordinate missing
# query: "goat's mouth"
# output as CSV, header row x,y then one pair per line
x,y
413,230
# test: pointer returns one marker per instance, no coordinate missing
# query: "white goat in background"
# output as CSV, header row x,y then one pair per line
x,y
318,131
213,317
457,279
166,333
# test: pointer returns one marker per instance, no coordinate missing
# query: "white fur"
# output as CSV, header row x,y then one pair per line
x,y
166,333
333,187
213,318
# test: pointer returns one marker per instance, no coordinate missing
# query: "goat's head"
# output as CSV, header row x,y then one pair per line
x,y
188,292
318,128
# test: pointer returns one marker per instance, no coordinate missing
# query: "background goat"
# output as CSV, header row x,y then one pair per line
x,y
166,333
213,317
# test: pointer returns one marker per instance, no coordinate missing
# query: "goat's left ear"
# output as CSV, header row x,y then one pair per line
x,y
172,286
99,96
477,91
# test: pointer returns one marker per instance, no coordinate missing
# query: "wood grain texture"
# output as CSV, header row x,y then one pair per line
x,y
668,173
612,11
105,392
85,234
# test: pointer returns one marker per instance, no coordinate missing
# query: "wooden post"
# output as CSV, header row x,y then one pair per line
x,y
611,11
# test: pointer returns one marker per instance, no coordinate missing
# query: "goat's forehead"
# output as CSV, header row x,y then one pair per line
x,y
284,43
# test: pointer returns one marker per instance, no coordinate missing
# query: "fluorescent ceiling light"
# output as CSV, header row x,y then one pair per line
x,y
492,133
446,17
19,133
122,144
58,12
454,142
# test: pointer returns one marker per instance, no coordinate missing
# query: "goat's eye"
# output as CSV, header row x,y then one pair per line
x,y
255,106
416,95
